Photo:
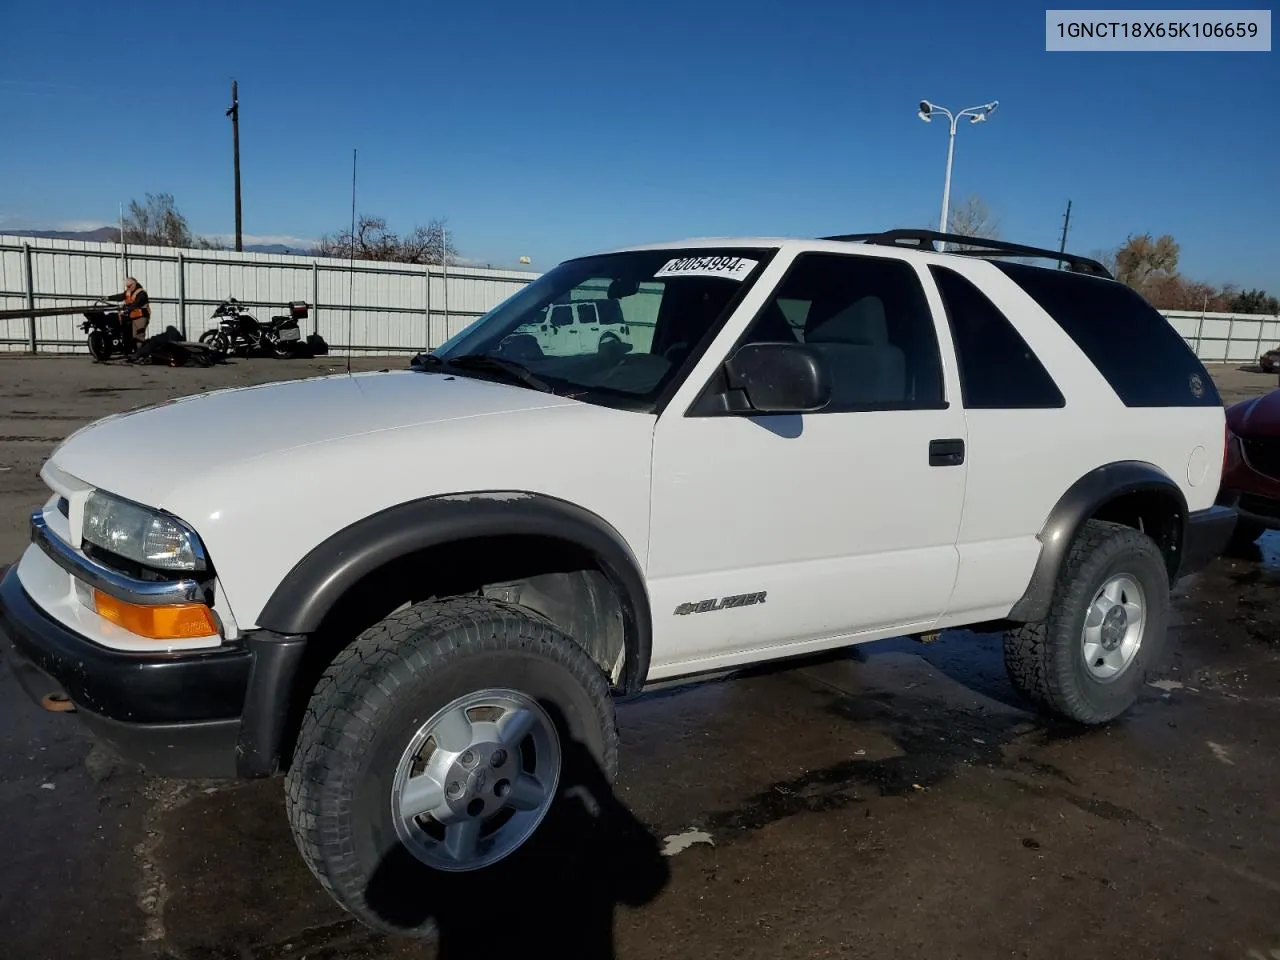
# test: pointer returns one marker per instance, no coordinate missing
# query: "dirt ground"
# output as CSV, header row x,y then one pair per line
x,y
896,800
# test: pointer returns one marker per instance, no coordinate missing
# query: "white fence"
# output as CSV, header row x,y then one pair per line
x,y
1227,337
373,308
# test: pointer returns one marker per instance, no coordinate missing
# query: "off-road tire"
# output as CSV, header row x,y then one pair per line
x,y
1045,659
365,709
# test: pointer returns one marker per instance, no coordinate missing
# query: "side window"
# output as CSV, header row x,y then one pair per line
x,y
998,371
869,318
587,314
1146,361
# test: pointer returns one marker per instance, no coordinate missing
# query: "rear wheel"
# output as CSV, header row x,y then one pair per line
x,y
99,345
1088,659
435,753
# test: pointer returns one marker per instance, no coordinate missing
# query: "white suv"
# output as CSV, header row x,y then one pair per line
x,y
822,443
578,327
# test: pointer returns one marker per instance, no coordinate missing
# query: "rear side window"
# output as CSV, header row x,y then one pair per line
x,y
1134,347
998,371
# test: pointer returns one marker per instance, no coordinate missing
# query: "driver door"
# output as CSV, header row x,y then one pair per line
x,y
776,534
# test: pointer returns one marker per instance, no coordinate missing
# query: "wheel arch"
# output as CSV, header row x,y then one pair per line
x,y
320,580
1132,492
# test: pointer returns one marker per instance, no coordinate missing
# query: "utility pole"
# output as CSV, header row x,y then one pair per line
x,y
233,112
1066,223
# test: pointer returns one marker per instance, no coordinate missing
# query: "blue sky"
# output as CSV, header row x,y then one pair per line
x,y
553,129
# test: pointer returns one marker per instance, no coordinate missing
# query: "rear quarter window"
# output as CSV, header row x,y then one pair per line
x,y
1145,360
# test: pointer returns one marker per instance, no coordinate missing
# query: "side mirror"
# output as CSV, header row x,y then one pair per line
x,y
779,377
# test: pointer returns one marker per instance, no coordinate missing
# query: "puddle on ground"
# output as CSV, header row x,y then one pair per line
x,y
975,660
1269,547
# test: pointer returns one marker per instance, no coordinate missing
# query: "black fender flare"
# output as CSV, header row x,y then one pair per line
x,y
1080,502
316,583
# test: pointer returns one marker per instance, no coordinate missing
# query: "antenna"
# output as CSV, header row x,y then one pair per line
x,y
351,267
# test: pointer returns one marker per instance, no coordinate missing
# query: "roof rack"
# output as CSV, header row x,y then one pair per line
x,y
981,247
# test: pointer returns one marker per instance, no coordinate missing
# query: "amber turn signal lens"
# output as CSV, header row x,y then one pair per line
x,y
178,622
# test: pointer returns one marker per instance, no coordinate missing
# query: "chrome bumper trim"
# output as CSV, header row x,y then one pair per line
x,y
145,592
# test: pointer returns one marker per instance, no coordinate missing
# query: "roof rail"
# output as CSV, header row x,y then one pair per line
x,y
981,247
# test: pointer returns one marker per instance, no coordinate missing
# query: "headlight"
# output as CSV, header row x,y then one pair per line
x,y
136,533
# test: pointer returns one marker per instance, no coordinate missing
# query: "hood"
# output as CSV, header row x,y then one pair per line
x,y
144,453
1256,417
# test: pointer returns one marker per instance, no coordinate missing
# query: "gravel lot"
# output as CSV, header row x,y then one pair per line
x,y
894,801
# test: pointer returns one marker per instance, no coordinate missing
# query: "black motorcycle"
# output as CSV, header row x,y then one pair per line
x,y
108,332
240,334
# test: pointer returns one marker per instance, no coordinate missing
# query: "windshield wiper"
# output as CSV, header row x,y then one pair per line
x,y
482,361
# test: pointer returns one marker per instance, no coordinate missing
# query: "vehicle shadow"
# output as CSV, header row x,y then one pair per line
x,y
554,897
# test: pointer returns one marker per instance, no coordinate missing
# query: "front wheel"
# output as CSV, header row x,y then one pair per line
x,y
1106,627
435,753
216,341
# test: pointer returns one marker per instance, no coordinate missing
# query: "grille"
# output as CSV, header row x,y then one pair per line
x,y
1263,456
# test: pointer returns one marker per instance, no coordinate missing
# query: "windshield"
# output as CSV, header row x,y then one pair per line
x,y
614,329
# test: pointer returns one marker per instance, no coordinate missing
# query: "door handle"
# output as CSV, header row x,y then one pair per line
x,y
946,453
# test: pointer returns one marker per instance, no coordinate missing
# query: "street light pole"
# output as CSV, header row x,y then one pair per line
x,y
946,184
976,115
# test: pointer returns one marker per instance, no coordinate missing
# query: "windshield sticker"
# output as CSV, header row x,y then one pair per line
x,y
731,268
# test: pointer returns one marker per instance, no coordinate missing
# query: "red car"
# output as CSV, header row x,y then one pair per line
x,y
1251,477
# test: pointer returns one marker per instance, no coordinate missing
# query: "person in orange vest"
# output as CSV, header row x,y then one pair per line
x,y
135,309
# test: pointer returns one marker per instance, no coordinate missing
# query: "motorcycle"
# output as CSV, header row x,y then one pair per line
x,y
108,332
239,333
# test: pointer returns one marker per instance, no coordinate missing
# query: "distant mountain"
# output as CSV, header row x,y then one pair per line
x,y
100,235
277,248
112,235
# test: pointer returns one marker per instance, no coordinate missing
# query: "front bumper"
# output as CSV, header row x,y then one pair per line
x,y
1257,509
1254,495
203,713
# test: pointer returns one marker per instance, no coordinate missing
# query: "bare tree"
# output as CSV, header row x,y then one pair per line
x,y
1150,266
373,240
971,217
1141,260
157,222
1107,258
